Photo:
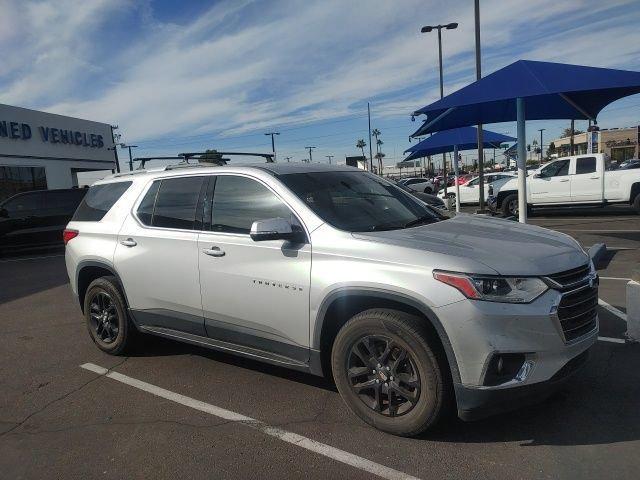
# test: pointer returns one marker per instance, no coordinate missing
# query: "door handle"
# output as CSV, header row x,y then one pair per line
x,y
594,178
564,180
213,252
129,242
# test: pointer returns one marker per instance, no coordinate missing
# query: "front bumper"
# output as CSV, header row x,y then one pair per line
x,y
478,403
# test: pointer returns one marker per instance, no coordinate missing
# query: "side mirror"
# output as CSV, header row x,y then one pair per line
x,y
4,213
537,175
274,229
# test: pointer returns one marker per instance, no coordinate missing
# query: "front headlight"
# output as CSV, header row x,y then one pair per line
x,y
494,289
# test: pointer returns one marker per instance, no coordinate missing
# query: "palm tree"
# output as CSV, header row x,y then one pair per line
x,y
380,156
376,133
361,144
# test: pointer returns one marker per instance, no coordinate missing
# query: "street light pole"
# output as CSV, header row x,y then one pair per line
x,y
273,143
480,136
427,29
329,157
130,157
541,130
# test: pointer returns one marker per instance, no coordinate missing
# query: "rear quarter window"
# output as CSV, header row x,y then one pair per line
x,y
98,201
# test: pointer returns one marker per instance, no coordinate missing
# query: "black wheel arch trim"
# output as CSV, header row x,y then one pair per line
x,y
502,195
387,295
95,263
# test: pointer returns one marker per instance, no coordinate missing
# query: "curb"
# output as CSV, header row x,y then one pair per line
x,y
596,252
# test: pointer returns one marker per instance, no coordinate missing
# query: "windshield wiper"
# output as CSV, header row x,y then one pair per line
x,y
423,220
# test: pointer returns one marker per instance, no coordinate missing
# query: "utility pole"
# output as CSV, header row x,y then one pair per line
x,y
541,130
130,157
478,77
427,29
370,149
329,157
273,143
310,155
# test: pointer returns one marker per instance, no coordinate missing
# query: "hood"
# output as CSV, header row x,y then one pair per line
x,y
508,247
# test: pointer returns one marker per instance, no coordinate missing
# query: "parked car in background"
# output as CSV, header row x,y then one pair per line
x,y
429,199
464,179
348,276
580,180
629,164
418,184
470,193
37,218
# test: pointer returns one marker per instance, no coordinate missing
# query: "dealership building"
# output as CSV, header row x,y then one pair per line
x,y
40,150
618,144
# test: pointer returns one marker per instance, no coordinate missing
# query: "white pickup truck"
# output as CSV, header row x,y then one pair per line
x,y
579,180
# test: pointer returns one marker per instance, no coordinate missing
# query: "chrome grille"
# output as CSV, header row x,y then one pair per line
x,y
577,312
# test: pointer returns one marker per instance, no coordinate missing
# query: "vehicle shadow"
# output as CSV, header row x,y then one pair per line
x,y
24,274
598,406
153,346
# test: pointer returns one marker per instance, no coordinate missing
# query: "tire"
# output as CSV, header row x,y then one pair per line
x,y
508,207
425,377
105,312
636,204
428,190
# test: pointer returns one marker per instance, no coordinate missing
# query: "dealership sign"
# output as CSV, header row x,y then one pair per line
x,y
31,133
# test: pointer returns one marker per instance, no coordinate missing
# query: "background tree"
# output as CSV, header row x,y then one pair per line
x,y
567,132
361,144
551,150
379,157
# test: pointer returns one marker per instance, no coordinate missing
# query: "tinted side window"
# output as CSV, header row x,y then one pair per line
x,y
585,165
176,202
556,169
25,202
240,201
66,201
99,200
145,210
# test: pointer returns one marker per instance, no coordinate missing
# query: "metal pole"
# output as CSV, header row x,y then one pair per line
x,y
115,149
541,130
455,172
370,149
522,168
130,160
478,77
444,155
571,139
329,157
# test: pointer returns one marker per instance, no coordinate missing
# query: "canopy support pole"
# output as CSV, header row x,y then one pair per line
x,y
577,107
522,162
455,177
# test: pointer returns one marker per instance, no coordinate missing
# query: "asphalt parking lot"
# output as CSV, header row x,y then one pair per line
x,y
58,420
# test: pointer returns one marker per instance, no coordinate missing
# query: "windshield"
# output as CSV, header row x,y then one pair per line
x,y
358,201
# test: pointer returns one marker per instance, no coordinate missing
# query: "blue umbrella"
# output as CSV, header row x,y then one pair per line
x,y
547,91
464,138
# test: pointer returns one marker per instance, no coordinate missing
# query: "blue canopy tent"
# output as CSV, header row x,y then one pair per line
x,y
464,138
549,91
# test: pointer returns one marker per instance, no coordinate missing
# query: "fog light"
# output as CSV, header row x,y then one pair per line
x,y
504,367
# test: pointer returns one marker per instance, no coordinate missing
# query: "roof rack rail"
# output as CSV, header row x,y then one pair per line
x,y
203,159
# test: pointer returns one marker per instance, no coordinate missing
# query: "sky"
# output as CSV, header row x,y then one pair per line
x,y
189,75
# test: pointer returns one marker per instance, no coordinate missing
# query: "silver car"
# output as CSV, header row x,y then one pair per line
x,y
335,271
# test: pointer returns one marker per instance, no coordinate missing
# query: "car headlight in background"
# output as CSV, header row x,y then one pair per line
x,y
494,289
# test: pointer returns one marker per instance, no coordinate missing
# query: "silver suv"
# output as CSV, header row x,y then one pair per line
x,y
335,271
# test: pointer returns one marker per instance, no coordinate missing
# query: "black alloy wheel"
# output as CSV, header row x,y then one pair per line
x,y
383,375
104,317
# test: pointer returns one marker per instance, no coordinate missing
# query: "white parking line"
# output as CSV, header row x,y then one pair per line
x,y
613,310
284,435
616,278
612,340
